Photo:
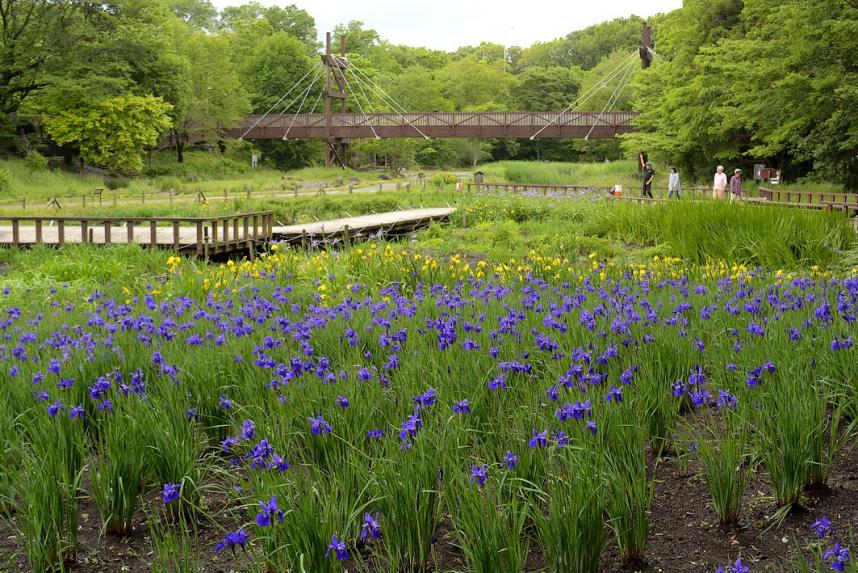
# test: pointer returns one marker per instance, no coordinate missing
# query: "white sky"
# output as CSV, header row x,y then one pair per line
x,y
449,24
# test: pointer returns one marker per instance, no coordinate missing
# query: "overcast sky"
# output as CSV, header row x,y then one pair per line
x,y
449,24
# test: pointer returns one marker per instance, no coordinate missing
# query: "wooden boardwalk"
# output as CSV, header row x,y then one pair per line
x,y
205,236
392,222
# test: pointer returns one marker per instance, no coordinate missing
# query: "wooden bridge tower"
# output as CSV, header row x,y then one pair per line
x,y
336,88
646,46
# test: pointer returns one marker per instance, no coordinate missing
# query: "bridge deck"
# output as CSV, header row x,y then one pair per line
x,y
514,124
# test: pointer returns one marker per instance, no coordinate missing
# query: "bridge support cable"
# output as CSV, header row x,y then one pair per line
x,y
377,90
654,53
357,99
586,96
624,80
306,93
316,103
313,80
388,100
279,101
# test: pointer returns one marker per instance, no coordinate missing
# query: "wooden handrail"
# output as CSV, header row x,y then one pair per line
x,y
203,236
807,197
129,219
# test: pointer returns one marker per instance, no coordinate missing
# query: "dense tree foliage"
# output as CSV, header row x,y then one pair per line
x,y
759,81
733,82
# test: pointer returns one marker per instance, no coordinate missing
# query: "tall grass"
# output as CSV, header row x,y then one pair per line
x,y
776,237
571,530
489,545
116,472
47,489
605,174
725,461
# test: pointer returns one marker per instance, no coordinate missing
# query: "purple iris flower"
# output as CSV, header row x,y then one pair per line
x,y
268,510
822,526
510,460
737,567
77,412
839,557
338,547
233,539
538,439
370,527
462,407
614,394
171,492
319,426
479,474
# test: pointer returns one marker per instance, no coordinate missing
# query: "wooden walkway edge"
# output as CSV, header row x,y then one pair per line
x,y
392,222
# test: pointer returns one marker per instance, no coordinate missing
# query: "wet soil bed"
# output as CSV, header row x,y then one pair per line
x,y
685,535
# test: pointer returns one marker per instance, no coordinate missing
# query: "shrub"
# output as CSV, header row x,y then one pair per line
x,y
36,161
5,180
439,180
116,182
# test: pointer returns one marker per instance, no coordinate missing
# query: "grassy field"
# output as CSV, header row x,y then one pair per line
x,y
206,172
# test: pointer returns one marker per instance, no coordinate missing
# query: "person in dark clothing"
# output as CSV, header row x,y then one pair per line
x,y
648,176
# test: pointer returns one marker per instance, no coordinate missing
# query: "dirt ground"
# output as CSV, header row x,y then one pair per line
x,y
684,532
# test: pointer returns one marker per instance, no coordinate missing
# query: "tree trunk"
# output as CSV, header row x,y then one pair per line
x,y
180,150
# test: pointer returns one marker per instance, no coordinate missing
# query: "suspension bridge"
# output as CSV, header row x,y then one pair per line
x,y
341,78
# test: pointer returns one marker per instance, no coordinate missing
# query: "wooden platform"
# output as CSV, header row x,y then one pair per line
x,y
387,223
205,236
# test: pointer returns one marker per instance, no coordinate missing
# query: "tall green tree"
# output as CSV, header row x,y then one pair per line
x,y
795,94
470,82
197,14
359,40
287,19
113,132
278,64
216,99
36,36
416,90
546,89
677,96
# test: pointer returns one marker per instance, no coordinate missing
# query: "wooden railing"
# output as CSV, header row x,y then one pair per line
x,y
846,203
521,187
808,197
627,192
517,124
207,235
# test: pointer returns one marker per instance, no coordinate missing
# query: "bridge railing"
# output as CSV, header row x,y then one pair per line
x,y
440,124
204,235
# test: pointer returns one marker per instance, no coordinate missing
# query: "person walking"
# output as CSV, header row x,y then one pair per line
x,y
720,183
736,185
673,185
648,176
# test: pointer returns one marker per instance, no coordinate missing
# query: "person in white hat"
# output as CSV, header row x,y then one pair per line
x,y
720,183
736,185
